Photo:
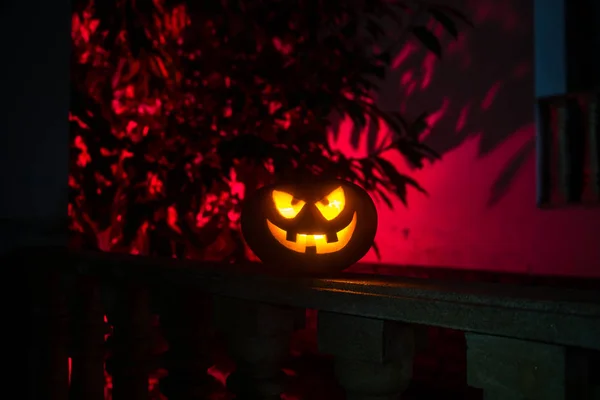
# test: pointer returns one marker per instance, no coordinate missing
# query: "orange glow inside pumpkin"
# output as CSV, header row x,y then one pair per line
x,y
318,241
286,204
329,206
332,205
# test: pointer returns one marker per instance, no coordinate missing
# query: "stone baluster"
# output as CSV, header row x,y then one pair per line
x,y
258,338
88,354
514,369
48,347
131,343
185,322
373,358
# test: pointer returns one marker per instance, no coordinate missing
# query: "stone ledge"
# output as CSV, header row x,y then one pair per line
x,y
551,315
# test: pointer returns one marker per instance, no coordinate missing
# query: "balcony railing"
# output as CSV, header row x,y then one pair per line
x,y
534,343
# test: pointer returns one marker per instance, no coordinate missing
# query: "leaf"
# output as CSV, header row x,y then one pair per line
x,y
210,175
367,167
204,236
427,151
399,118
385,57
245,145
445,21
399,181
376,70
363,86
418,126
375,28
457,14
414,152
136,214
383,195
345,168
429,40
393,120
355,112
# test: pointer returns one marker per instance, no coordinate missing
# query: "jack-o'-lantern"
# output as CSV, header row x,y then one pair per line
x,y
314,227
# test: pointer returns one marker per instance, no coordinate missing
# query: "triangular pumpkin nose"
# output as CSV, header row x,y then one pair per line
x,y
310,220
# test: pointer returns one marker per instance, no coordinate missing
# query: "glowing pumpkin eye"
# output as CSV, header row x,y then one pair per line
x,y
332,205
286,204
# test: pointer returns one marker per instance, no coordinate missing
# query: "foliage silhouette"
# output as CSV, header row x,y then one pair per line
x,y
176,104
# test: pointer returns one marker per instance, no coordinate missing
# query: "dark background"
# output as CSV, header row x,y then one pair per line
x,y
481,212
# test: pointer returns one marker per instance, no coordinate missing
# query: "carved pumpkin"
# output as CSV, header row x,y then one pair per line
x,y
319,226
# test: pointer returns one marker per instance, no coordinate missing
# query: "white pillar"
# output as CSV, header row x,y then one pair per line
x,y
34,128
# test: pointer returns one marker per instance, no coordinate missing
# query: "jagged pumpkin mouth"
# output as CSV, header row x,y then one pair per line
x,y
314,243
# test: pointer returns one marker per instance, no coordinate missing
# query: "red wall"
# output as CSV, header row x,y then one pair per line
x,y
481,212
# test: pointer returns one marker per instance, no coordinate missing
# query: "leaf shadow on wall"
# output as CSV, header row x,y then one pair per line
x,y
481,87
